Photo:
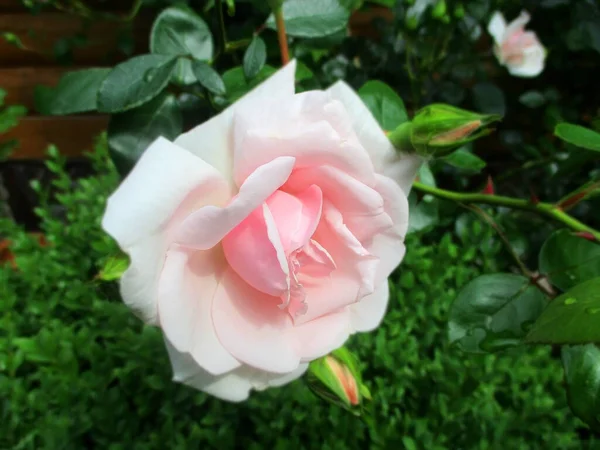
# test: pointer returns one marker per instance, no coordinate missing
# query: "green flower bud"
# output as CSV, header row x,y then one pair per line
x,y
336,379
439,129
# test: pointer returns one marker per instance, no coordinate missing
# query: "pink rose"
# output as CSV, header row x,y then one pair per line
x,y
261,239
519,50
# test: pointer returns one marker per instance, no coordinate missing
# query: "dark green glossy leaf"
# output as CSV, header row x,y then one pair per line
x,y
578,135
255,57
237,85
76,92
130,133
568,260
312,18
208,77
572,318
180,31
387,107
582,375
135,82
463,159
494,312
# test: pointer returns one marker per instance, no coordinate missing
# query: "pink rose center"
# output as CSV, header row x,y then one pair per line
x,y
273,249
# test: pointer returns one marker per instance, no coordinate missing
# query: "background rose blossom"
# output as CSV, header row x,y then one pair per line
x,y
261,239
520,51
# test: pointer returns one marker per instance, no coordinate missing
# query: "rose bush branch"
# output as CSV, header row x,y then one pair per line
x,y
545,209
277,8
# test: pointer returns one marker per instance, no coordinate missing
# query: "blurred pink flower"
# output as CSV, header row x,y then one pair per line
x,y
520,51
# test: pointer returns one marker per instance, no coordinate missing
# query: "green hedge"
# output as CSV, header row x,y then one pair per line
x,y
79,371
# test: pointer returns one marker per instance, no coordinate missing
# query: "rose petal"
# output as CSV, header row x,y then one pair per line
x,y
252,327
213,140
532,65
367,314
230,386
234,386
139,283
254,251
497,27
296,216
402,168
353,277
312,127
208,226
157,185
321,336
187,286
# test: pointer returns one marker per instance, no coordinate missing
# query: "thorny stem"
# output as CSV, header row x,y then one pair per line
x,y
545,209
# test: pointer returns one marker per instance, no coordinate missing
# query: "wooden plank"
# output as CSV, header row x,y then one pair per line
x,y
40,33
20,82
73,135
96,5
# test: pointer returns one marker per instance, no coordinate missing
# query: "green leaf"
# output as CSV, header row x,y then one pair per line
x,y
135,82
9,117
423,214
582,376
208,77
312,18
7,147
464,159
76,92
113,268
568,260
488,98
387,107
255,57
494,312
130,133
572,318
532,99
578,135
352,5
237,85
179,31
303,72
13,39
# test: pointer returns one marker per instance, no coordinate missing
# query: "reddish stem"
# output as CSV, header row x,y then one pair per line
x,y
281,35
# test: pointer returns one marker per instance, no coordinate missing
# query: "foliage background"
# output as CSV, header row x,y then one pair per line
x,y
78,370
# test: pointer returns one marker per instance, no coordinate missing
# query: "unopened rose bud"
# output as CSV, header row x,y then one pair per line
x,y
439,129
489,187
336,379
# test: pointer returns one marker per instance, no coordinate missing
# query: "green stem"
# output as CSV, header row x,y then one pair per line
x,y
545,209
222,30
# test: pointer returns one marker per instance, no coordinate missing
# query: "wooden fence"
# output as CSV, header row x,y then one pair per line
x,y
22,69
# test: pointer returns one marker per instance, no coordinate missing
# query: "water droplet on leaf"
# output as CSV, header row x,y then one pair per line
x,y
592,310
570,301
149,75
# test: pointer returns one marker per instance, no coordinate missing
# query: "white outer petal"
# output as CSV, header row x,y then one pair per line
x,y
367,314
138,212
386,159
234,386
213,140
532,65
497,27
